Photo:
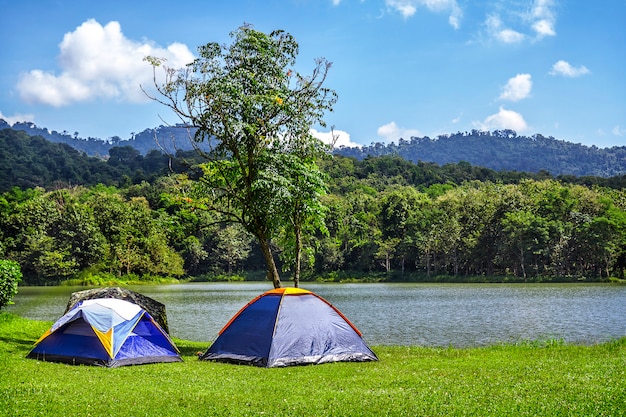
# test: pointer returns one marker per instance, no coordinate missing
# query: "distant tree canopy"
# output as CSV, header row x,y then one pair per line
x,y
503,150
64,215
169,139
499,150
31,161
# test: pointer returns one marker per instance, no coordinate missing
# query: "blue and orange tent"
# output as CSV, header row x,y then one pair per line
x,y
289,326
107,332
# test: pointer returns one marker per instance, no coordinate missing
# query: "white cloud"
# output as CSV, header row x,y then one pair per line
x,y
618,131
543,18
98,62
534,24
392,132
496,29
517,88
408,8
339,137
544,28
504,119
17,118
405,7
565,69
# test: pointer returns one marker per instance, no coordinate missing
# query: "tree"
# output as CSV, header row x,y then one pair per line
x,y
233,246
10,276
303,208
526,235
138,241
47,237
397,208
246,104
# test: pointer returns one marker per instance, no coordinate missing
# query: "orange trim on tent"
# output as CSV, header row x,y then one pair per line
x,y
290,291
239,312
275,291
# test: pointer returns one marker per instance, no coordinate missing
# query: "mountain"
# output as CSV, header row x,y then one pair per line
x,y
33,161
500,150
503,150
169,139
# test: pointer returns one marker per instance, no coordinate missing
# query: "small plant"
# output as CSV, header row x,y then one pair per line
x,y
10,276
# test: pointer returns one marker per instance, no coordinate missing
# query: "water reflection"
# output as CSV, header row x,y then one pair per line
x,y
398,314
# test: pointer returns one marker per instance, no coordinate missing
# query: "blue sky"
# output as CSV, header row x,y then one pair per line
x,y
401,68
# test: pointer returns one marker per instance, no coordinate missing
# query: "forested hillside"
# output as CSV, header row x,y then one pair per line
x,y
386,218
504,150
501,150
90,146
32,161
168,139
29,162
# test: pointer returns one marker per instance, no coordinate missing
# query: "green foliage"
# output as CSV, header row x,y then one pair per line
x,y
530,378
504,150
56,236
372,221
220,278
10,276
32,161
255,113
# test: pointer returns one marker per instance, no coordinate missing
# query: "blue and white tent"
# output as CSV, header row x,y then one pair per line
x,y
286,327
106,332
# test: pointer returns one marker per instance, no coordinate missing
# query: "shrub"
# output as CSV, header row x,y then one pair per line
x,y
10,276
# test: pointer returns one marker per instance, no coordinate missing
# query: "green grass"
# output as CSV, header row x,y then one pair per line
x,y
528,379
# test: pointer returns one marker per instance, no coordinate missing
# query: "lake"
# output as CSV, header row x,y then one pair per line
x,y
458,315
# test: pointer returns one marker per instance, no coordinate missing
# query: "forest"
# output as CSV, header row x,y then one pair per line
x,y
504,150
33,161
79,219
500,150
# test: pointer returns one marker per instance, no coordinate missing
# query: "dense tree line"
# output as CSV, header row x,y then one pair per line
x,y
64,214
380,220
346,172
58,234
499,150
32,161
169,139
531,230
504,150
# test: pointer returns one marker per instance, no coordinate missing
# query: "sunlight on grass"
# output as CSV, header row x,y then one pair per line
x,y
528,379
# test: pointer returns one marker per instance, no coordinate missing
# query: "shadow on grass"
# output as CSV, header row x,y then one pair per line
x,y
188,348
17,345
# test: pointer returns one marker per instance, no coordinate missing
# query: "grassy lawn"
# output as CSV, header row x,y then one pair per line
x,y
530,379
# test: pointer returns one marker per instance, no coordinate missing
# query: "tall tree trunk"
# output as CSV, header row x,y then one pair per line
x,y
272,271
522,265
296,271
387,262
